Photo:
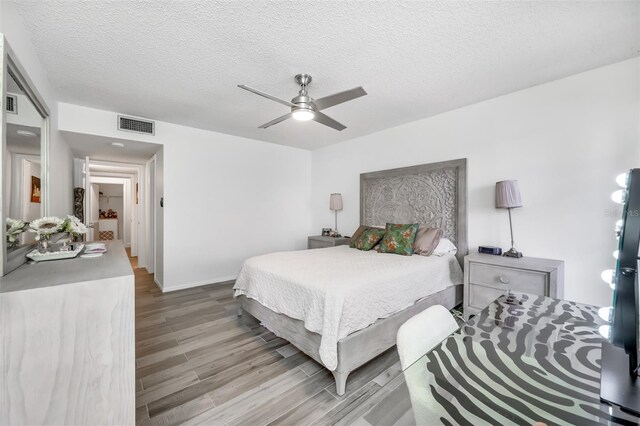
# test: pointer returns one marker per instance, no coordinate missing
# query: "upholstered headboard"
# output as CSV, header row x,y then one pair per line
x,y
433,194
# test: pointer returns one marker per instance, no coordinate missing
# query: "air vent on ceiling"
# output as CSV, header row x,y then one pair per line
x,y
12,104
131,124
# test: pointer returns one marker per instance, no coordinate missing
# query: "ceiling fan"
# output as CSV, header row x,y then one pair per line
x,y
304,107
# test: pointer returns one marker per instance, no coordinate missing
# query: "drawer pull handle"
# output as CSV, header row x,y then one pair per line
x,y
504,279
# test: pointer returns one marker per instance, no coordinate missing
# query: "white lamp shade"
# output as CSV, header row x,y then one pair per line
x,y
508,194
335,202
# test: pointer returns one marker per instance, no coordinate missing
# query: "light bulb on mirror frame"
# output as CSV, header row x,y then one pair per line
x,y
616,254
605,331
619,196
605,313
607,276
621,179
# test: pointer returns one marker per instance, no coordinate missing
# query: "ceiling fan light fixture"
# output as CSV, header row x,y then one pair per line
x,y
305,108
303,114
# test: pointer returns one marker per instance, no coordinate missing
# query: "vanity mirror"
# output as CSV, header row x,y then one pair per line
x,y
25,136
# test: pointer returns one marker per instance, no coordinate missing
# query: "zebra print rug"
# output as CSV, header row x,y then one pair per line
x,y
525,359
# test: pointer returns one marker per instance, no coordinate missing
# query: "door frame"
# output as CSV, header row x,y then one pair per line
x,y
150,197
136,172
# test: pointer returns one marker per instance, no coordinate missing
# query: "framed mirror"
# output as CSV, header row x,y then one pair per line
x,y
25,159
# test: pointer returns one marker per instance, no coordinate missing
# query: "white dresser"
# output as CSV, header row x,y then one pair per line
x,y
106,225
487,277
68,348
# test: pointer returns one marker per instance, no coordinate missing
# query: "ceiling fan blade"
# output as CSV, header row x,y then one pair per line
x,y
265,95
276,121
338,98
328,121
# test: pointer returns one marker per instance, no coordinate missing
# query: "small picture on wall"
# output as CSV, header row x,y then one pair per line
x,y
35,189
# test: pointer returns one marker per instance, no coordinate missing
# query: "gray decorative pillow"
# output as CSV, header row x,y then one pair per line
x,y
427,240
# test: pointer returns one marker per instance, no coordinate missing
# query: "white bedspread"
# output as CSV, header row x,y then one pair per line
x,y
339,290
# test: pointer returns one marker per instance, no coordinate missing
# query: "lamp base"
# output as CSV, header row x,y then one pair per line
x,y
512,252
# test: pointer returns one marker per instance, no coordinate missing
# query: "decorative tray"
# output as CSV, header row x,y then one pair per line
x,y
36,256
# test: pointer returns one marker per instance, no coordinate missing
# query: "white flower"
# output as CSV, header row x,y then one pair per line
x,y
12,222
73,226
74,219
15,227
45,227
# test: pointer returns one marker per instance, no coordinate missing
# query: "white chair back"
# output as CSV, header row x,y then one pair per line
x,y
423,332
416,337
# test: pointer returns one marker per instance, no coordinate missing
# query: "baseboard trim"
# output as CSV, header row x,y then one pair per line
x,y
218,280
158,284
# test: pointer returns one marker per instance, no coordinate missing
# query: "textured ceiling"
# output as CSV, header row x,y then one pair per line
x,y
180,61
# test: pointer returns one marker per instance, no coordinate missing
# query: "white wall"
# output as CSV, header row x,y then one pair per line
x,y
20,187
94,214
565,142
226,198
27,114
61,167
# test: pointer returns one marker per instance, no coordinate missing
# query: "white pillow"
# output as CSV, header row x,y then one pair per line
x,y
445,246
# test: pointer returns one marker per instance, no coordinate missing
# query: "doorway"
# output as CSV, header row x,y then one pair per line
x,y
110,214
116,181
113,206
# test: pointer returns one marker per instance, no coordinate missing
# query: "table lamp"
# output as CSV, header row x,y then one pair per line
x,y
335,204
508,197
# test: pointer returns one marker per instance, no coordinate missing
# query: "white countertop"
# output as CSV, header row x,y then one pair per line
x,y
114,263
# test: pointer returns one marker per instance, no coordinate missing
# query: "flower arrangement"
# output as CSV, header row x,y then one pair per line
x,y
74,227
45,227
15,227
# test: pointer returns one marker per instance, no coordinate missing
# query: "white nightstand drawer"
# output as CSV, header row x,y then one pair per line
x,y
480,297
318,241
508,278
486,277
314,244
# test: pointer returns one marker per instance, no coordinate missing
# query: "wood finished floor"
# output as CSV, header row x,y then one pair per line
x,y
197,362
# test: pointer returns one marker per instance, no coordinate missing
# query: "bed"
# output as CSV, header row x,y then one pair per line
x,y
343,306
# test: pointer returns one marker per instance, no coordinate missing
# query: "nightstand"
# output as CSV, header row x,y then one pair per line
x,y
319,241
487,277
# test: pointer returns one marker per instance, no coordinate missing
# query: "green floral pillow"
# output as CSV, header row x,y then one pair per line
x,y
399,239
368,239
